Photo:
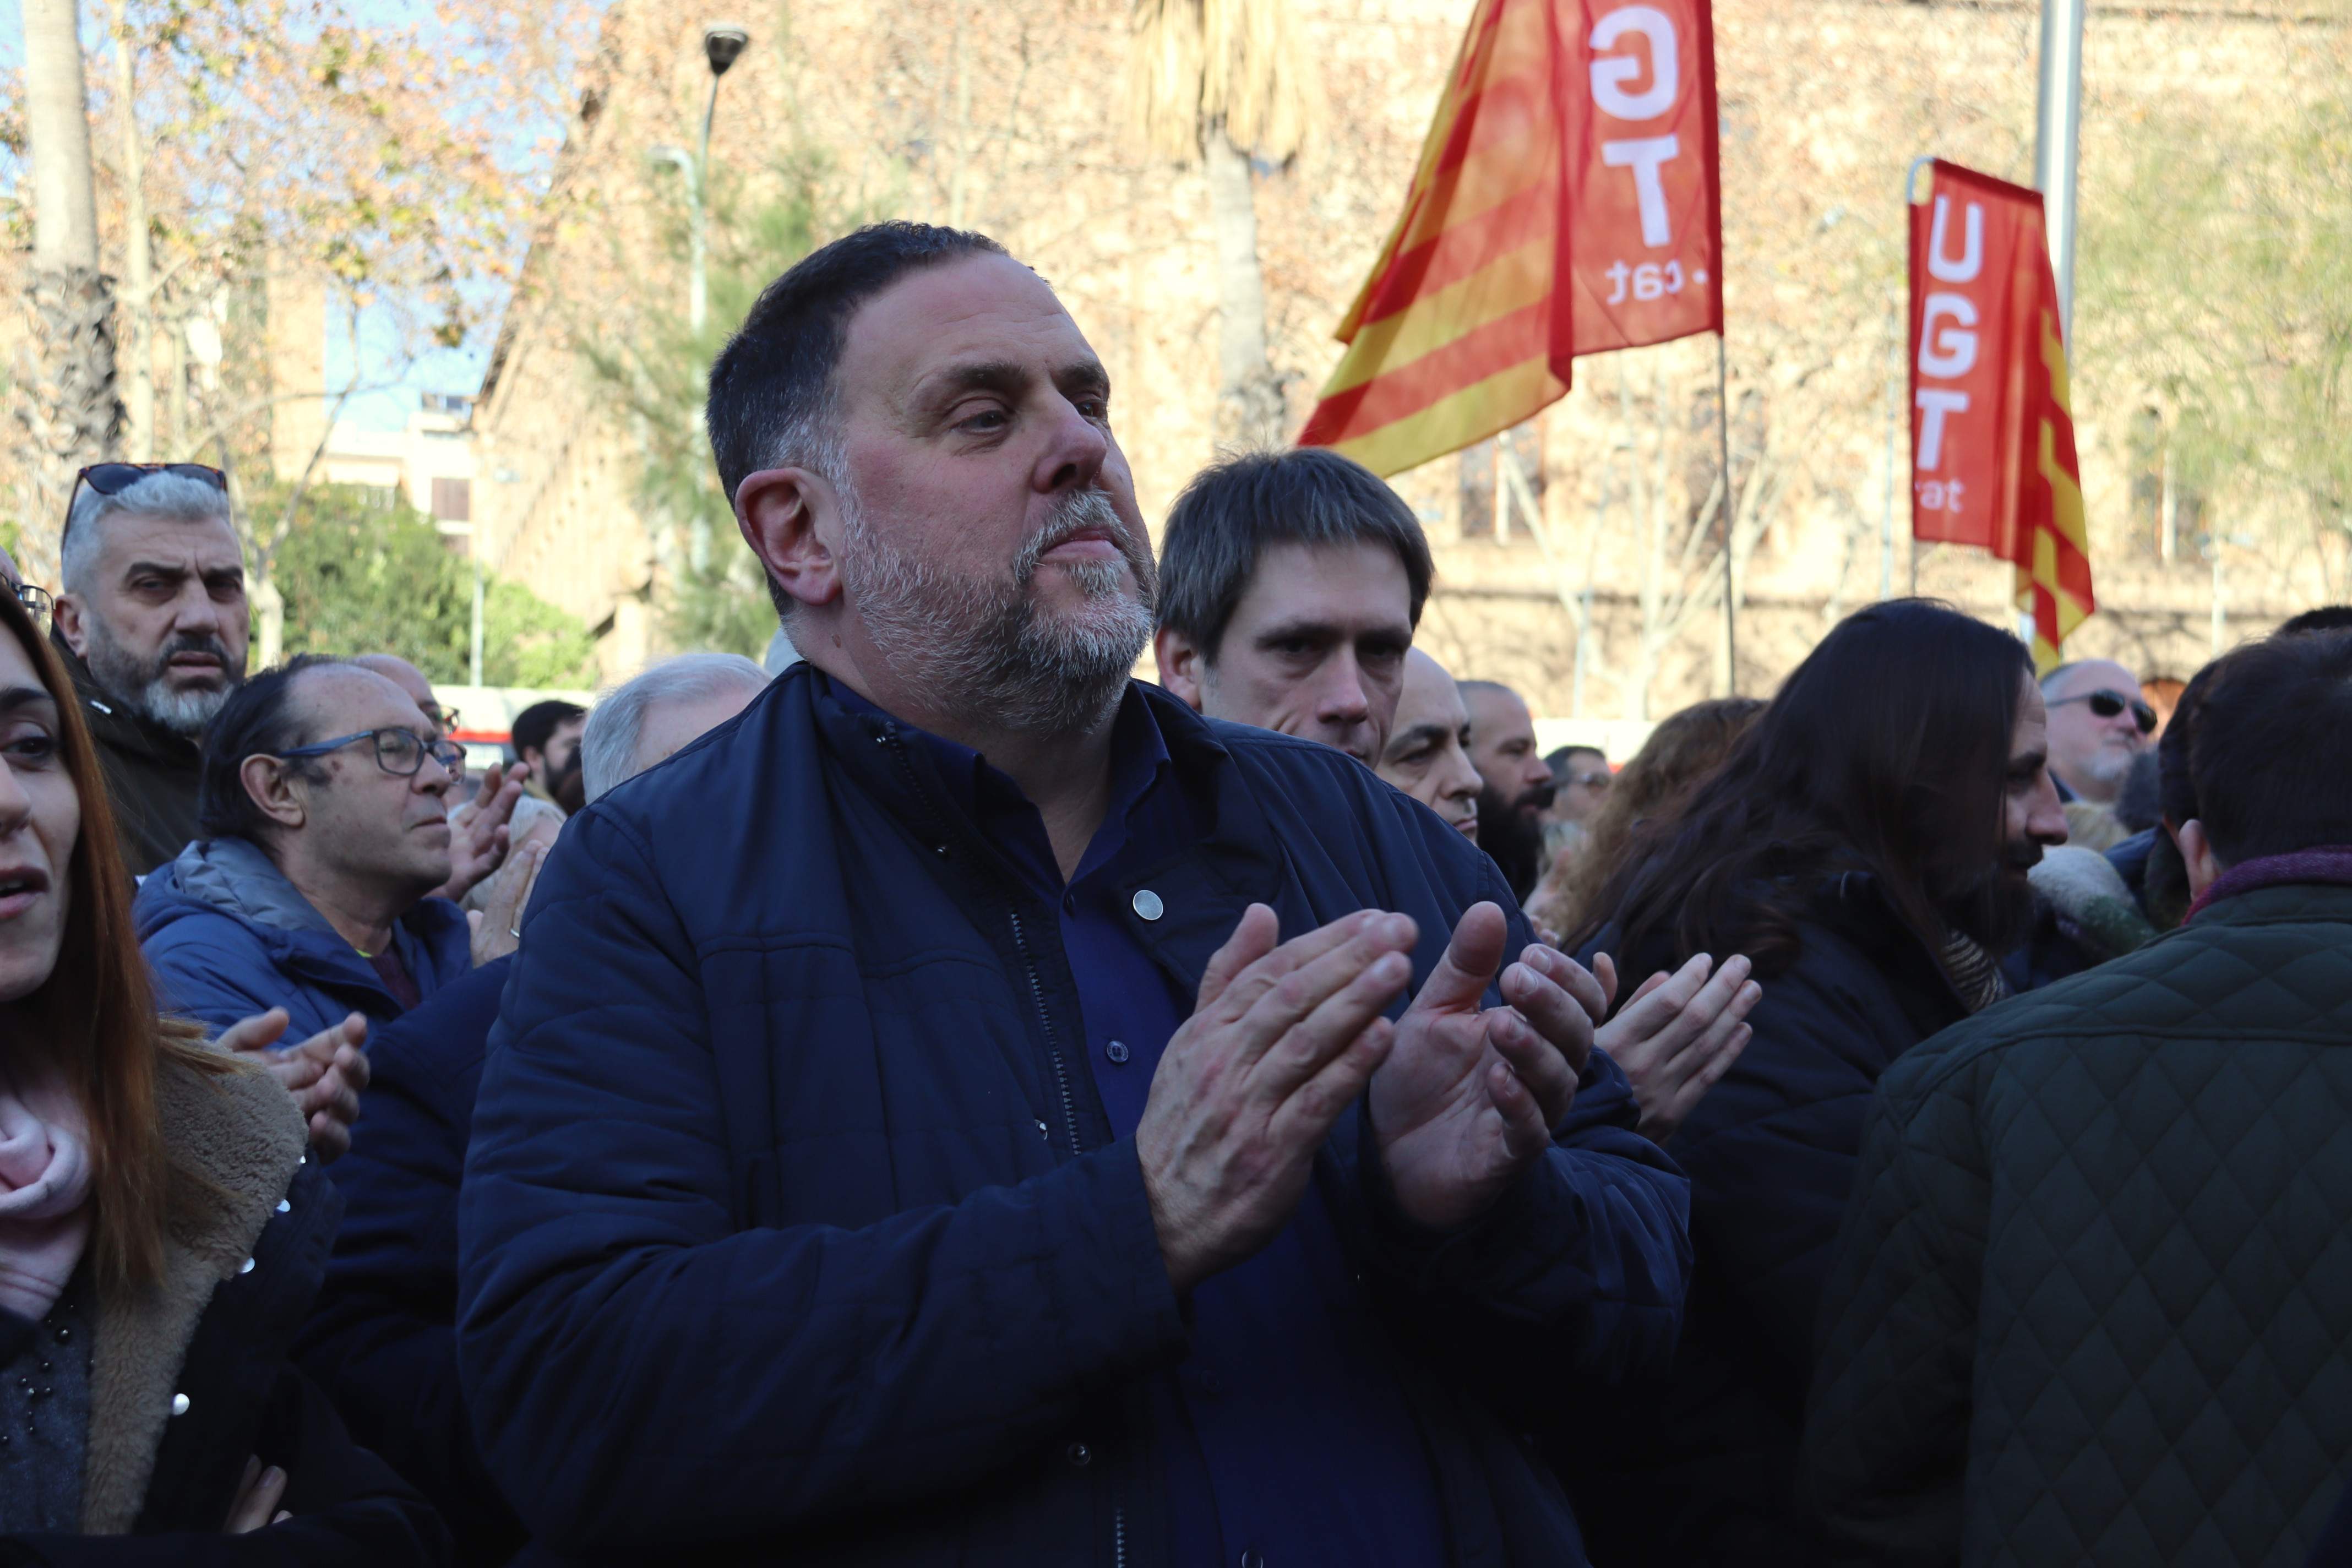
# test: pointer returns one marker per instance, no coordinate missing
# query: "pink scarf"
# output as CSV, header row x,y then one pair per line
x,y
44,1185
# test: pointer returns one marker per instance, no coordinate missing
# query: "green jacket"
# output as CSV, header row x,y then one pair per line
x,y
2092,1302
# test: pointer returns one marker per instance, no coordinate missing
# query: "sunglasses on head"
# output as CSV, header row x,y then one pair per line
x,y
113,478
2107,704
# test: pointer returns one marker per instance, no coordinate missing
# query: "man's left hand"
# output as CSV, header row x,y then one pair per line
x,y
478,846
1467,1099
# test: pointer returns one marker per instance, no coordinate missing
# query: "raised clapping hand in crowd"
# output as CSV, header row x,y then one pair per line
x,y
1285,1038
1678,1034
497,927
480,830
324,1074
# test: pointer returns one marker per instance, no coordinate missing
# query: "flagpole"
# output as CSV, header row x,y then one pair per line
x,y
2059,114
1723,460
1910,200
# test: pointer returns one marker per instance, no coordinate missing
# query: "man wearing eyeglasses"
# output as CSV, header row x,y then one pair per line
x,y
152,623
2098,723
322,830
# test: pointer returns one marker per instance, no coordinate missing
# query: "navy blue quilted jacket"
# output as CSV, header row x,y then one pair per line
x,y
2092,1302
792,1226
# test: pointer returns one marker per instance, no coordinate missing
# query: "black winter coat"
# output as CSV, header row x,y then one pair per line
x,y
190,1378
383,1338
1699,1469
792,1225
151,773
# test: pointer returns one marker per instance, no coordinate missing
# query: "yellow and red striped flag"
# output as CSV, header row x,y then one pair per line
x,y
1992,421
1566,202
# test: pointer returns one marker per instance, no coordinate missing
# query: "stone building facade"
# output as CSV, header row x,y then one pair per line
x,y
1009,118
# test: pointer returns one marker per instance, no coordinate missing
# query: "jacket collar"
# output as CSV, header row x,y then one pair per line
x,y
236,878
1236,861
2330,866
115,723
232,877
239,1133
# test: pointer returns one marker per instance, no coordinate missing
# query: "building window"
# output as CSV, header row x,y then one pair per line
x,y
453,499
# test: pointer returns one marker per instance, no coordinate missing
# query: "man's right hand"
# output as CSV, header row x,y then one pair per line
x,y
1283,1040
324,1074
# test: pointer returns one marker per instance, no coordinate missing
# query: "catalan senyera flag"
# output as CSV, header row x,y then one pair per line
x,y
1992,426
1566,202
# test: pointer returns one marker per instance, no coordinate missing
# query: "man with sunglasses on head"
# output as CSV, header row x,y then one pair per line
x,y
2098,723
151,621
322,830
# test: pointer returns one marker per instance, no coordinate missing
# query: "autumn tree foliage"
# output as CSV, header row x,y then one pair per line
x,y
394,151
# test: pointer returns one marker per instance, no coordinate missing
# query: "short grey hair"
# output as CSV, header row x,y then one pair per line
x,y
608,749
158,495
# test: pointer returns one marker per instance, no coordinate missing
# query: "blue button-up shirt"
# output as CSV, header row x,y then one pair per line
x,y
1286,1435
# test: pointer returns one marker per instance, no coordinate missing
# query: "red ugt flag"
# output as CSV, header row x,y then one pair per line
x,y
1565,203
1644,209
1992,429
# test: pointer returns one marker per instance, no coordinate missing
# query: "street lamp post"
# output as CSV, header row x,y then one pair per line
x,y
722,44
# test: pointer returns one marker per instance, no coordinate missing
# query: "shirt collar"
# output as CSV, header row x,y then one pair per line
x,y
1138,756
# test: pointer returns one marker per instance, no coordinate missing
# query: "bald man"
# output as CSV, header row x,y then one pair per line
x,y
2098,723
481,830
1427,755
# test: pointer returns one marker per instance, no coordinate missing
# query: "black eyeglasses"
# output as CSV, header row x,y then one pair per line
x,y
2107,703
113,478
400,752
444,719
37,602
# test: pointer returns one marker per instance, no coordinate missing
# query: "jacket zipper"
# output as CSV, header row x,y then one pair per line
x,y
1061,1082
1028,966
1117,1525
1045,1021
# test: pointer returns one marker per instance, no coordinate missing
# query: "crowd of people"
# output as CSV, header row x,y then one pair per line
x,y
956,1104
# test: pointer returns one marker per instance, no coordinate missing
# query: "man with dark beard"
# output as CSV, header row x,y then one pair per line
x,y
153,624
1866,846
909,1136
1516,783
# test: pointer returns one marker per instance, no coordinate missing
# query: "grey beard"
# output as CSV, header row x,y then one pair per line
x,y
2109,764
980,645
147,689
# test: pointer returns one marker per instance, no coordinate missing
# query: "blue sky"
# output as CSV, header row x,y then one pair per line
x,y
382,351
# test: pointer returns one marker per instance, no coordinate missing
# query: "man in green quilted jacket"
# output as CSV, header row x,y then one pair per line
x,y
2094,1296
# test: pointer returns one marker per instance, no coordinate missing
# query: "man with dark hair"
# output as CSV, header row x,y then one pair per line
x,y
151,623
1515,784
546,736
1873,909
321,830
910,1137
1290,584
2094,1300
1579,780
2326,619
